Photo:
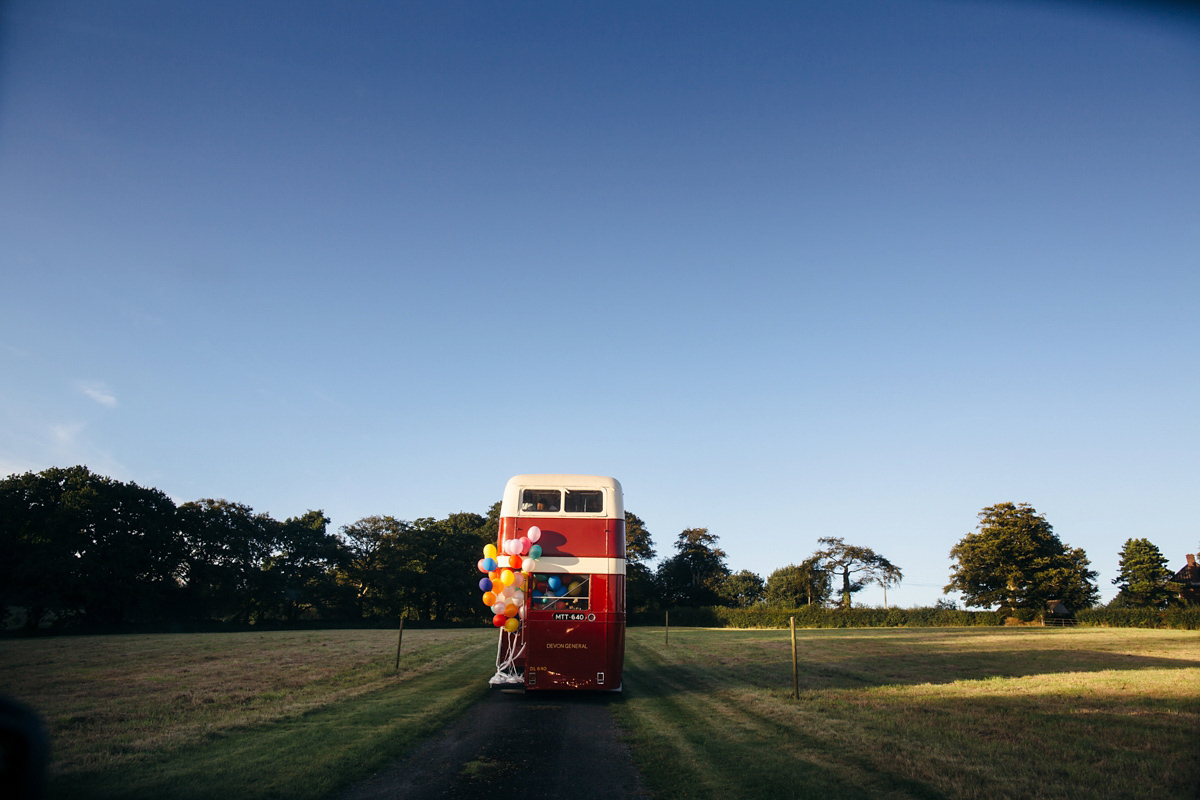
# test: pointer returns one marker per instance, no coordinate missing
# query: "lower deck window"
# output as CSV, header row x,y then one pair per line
x,y
561,592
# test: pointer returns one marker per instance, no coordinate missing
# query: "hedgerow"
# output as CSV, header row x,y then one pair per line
x,y
1187,619
819,617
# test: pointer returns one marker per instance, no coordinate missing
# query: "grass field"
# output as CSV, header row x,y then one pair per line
x,y
277,714
890,713
927,713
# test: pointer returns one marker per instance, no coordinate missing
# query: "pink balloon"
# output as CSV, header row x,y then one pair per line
x,y
534,534
482,568
525,543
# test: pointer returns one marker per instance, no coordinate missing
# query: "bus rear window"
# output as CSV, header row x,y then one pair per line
x,y
560,592
540,500
584,502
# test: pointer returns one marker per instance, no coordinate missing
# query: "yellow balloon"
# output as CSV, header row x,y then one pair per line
x,y
507,577
489,598
489,551
511,624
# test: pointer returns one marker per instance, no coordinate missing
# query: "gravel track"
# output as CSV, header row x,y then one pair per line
x,y
536,746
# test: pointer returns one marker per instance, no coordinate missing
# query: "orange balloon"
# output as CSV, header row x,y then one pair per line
x,y
510,610
514,562
489,598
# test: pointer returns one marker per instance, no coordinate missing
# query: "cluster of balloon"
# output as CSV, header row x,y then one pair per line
x,y
507,576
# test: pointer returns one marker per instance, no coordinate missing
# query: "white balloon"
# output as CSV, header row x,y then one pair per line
x,y
534,533
529,565
498,608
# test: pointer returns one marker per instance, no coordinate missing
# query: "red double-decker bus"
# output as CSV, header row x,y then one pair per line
x,y
572,628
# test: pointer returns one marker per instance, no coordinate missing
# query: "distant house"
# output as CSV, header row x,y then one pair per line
x,y
1188,579
1057,608
1057,613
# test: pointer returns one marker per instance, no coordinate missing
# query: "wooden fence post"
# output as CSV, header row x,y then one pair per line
x,y
399,641
795,672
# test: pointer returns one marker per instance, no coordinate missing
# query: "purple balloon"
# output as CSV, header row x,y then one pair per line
x,y
485,584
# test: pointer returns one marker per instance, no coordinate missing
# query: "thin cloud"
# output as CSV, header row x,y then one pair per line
x,y
64,434
100,393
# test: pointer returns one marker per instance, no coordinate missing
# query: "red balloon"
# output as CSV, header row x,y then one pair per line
x,y
514,562
499,620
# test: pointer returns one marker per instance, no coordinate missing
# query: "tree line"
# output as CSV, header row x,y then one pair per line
x,y
1013,562
88,551
83,550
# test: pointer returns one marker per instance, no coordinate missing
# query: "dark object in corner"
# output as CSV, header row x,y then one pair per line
x,y
24,751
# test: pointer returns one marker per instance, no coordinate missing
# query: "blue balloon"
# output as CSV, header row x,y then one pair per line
x,y
554,582
489,564
485,584
562,590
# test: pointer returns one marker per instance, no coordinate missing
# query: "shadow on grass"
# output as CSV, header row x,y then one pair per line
x,y
772,668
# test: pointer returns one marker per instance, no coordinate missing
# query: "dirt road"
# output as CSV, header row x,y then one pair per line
x,y
538,746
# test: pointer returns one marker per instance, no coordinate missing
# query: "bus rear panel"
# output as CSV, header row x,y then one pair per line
x,y
573,632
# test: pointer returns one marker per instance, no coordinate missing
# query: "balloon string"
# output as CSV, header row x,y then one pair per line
x,y
506,664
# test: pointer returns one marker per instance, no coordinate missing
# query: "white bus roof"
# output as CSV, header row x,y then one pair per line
x,y
614,504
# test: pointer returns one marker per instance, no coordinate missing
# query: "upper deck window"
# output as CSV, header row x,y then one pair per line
x,y
584,502
549,500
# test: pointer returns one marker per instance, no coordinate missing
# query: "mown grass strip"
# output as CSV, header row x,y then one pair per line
x,y
912,713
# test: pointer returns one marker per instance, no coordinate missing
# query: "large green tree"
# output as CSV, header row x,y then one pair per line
x,y
421,569
641,590
301,571
86,548
798,584
371,571
1143,576
694,575
856,566
1016,561
742,589
228,546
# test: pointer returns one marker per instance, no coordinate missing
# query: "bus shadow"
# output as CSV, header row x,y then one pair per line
x,y
553,699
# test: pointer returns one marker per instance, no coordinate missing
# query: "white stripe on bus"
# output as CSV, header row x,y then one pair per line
x,y
573,565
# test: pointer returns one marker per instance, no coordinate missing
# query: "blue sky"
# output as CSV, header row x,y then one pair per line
x,y
786,270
